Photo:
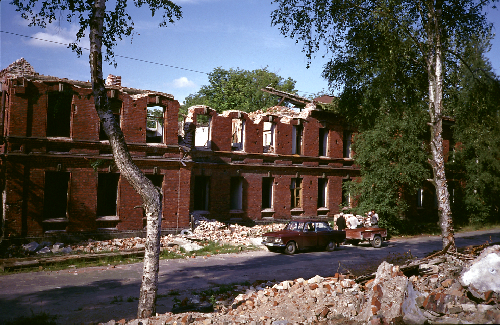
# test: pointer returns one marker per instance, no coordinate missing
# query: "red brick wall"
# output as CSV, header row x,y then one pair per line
x,y
176,197
283,138
253,136
14,197
36,187
133,119
130,218
310,140
171,119
85,124
82,200
18,112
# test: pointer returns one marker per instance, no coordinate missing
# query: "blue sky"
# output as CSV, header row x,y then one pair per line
x,y
212,33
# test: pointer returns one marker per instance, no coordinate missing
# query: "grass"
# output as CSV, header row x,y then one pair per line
x,y
209,248
34,319
476,227
432,229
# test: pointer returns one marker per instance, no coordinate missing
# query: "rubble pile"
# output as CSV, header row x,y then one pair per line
x,y
233,234
205,230
447,288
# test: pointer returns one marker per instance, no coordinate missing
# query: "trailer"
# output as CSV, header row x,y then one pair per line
x,y
374,235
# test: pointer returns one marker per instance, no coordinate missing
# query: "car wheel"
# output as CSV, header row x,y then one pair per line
x,y
377,241
291,248
331,246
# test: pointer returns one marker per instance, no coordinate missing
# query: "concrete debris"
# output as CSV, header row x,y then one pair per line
x,y
204,230
390,298
32,247
484,273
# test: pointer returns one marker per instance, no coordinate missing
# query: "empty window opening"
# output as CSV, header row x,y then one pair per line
x,y
157,180
420,198
347,144
55,201
155,124
236,193
59,114
202,134
296,193
107,194
268,137
322,192
346,195
267,192
297,139
323,142
201,192
238,127
115,106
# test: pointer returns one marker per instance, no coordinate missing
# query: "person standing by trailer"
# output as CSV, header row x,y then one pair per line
x,y
352,222
374,219
341,225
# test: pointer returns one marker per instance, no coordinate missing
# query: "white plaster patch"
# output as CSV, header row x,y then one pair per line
x,y
484,274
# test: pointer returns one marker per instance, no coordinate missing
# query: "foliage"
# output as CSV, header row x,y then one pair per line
x,y
475,163
392,163
393,61
238,89
154,114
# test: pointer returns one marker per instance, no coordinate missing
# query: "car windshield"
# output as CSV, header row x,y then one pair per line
x,y
295,226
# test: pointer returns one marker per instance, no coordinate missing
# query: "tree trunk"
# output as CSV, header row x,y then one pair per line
x,y
435,75
151,196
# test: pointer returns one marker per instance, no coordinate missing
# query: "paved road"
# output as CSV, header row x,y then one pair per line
x,y
103,293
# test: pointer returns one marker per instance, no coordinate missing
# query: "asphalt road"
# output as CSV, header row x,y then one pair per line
x,y
99,294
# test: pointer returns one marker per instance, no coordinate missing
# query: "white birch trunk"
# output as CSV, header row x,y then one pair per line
x,y
435,76
150,195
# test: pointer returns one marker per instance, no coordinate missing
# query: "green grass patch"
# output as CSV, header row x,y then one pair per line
x,y
76,264
475,227
209,248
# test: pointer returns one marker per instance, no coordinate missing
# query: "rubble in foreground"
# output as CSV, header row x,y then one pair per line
x,y
445,288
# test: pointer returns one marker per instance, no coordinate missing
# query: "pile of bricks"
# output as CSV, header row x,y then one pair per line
x,y
436,294
205,229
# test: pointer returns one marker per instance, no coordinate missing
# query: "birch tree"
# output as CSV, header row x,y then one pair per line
x,y
104,27
427,36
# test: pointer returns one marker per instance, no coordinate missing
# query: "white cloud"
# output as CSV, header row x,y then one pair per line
x,y
54,36
183,82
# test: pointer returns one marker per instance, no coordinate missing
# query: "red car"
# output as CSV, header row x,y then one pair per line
x,y
302,235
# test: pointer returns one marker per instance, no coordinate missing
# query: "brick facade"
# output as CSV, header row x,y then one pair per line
x,y
80,166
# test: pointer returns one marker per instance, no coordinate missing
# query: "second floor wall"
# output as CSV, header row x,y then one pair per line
x,y
59,108
278,131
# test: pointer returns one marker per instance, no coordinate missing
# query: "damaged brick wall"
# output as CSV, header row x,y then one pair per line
x,y
219,162
29,155
233,176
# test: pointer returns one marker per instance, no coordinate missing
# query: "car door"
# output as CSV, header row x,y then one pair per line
x,y
323,232
309,235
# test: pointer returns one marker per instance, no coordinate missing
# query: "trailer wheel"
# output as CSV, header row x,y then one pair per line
x,y
377,241
291,248
331,246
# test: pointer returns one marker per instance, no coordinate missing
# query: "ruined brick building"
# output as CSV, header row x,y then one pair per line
x,y
58,175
